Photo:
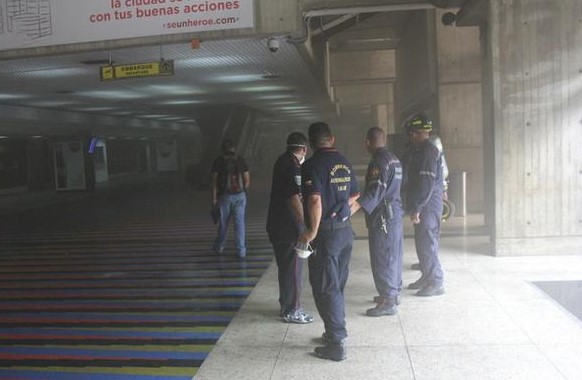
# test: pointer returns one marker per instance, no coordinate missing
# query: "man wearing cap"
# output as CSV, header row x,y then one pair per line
x,y
285,223
381,203
329,187
230,180
424,200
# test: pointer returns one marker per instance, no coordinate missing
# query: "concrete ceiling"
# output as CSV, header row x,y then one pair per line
x,y
281,85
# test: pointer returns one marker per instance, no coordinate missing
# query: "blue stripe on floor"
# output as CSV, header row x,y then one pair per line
x,y
172,282
54,375
111,334
59,352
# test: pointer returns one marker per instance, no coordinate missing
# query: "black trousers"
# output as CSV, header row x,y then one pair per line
x,y
328,275
290,276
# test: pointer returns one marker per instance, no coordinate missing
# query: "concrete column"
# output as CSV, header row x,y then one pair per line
x,y
416,89
460,105
381,112
534,53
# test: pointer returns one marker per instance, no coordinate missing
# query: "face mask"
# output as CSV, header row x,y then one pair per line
x,y
299,158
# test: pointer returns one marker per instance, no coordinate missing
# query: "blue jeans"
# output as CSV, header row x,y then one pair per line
x,y
232,205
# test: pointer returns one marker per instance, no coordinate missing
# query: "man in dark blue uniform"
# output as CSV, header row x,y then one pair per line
x,y
285,223
424,200
381,202
434,139
329,187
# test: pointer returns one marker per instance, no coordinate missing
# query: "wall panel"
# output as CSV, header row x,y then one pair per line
x,y
537,81
461,105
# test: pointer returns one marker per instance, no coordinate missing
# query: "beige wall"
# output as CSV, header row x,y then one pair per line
x,y
460,105
361,76
416,89
535,53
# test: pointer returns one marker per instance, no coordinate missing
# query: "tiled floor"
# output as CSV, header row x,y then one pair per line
x,y
492,323
117,284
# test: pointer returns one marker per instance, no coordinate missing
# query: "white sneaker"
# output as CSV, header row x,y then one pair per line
x,y
298,316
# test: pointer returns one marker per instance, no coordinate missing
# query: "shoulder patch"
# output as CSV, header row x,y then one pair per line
x,y
374,173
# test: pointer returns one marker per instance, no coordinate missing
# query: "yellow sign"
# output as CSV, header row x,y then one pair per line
x,y
137,70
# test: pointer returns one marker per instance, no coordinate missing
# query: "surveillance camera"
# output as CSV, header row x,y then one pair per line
x,y
273,45
449,18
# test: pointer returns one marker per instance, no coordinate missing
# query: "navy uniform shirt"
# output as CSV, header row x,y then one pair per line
x,y
329,174
383,182
286,183
424,179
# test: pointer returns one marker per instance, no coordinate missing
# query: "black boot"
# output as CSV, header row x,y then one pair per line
x,y
378,299
418,284
386,307
431,291
332,351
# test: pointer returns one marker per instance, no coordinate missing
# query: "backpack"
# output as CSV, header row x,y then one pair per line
x,y
234,177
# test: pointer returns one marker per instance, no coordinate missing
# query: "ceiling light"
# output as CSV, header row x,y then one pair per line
x,y
294,108
211,62
180,102
101,62
49,103
235,78
94,109
268,75
275,96
289,103
264,88
172,118
121,113
55,73
12,96
153,116
113,94
171,89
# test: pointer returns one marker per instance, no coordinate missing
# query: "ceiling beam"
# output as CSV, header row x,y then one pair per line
x,y
366,9
472,13
373,81
332,24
